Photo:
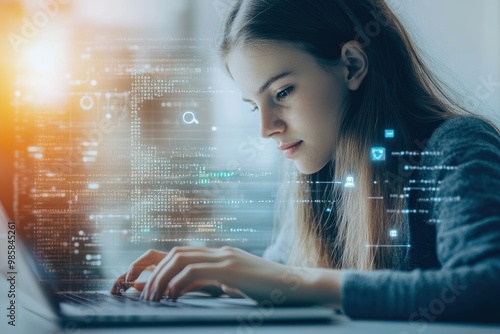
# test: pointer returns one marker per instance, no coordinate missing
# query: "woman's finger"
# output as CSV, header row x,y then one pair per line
x,y
144,262
195,275
174,252
119,286
231,292
139,286
151,257
208,286
170,267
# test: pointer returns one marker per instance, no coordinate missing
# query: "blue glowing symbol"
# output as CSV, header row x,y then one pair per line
x,y
378,154
389,133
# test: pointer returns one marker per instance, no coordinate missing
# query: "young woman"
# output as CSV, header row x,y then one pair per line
x,y
393,210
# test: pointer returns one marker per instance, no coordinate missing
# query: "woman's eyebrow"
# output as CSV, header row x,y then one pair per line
x,y
269,82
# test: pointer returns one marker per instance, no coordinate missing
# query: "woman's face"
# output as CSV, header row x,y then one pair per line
x,y
299,101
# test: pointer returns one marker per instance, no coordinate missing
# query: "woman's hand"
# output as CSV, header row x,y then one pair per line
x,y
186,269
146,261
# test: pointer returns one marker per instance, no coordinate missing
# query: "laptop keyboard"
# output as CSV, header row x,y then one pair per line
x,y
102,300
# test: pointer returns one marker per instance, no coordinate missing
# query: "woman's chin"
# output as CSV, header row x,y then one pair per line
x,y
307,170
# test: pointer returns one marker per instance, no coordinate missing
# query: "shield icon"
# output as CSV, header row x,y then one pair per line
x,y
378,154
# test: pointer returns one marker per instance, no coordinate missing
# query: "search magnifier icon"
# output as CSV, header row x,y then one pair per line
x,y
189,118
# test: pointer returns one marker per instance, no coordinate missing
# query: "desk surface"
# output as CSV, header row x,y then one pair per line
x,y
30,323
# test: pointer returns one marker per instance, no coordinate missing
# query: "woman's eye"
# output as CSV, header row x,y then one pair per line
x,y
284,93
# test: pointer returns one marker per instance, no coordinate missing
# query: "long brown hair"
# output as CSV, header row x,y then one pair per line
x,y
337,226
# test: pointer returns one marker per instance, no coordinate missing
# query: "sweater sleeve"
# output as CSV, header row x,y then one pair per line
x,y
466,206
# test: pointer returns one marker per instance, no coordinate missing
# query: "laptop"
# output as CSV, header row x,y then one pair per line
x,y
100,308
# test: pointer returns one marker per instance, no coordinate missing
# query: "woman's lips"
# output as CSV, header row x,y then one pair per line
x,y
290,149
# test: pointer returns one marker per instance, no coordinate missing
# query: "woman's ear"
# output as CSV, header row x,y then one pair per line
x,y
355,64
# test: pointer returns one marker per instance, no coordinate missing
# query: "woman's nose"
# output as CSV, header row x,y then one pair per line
x,y
271,124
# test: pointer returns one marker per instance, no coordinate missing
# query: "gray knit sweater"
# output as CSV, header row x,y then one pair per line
x,y
454,260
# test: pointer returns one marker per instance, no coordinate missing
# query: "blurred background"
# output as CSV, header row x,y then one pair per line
x,y
120,132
